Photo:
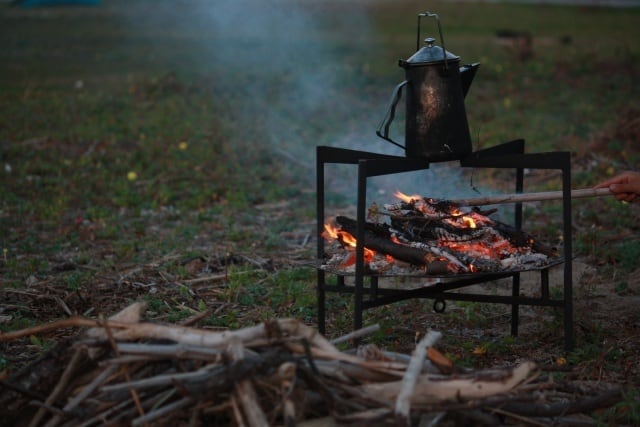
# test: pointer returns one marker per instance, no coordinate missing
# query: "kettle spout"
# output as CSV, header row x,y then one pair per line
x,y
467,73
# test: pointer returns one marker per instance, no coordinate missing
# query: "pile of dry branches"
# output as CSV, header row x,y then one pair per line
x,y
123,371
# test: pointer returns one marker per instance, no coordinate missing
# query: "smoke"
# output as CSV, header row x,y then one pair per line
x,y
292,74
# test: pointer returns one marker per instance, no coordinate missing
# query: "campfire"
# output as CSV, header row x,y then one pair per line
x,y
421,235
418,236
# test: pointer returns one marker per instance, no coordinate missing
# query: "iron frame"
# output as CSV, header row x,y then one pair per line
x,y
509,155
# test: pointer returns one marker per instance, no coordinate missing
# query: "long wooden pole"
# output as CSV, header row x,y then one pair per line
x,y
531,197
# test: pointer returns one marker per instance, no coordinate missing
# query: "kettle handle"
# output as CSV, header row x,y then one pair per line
x,y
418,41
383,129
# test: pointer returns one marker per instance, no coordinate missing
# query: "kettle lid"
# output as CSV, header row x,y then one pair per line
x,y
429,54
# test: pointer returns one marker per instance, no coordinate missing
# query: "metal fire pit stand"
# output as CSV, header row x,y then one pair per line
x,y
509,155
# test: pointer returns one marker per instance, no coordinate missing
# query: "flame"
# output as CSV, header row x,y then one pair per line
x,y
333,233
469,245
406,198
469,222
330,232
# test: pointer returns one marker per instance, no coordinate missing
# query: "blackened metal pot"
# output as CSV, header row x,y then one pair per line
x,y
436,126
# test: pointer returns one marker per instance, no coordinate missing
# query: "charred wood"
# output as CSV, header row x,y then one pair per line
x,y
523,239
378,240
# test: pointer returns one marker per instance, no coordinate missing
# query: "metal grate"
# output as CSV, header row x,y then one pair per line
x,y
366,290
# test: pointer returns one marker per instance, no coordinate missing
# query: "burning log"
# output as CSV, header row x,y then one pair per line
x,y
379,239
521,238
280,372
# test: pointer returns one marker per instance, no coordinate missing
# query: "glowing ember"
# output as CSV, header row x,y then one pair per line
x,y
333,233
469,221
423,231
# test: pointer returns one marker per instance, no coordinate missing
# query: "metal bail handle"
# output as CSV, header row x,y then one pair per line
x,y
437,18
383,129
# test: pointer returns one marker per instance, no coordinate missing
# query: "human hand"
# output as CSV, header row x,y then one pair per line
x,y
625,186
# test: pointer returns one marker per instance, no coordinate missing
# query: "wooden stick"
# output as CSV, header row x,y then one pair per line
x,y
439,388
245,392
531,197
59,389
356,334
403,401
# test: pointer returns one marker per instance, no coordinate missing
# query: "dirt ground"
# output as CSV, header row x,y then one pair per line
x,y
606,329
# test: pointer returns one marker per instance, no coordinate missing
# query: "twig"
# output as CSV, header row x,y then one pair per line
x,y
174,351
213,278
245,392
403,401
378,365
134,393
286,375
76,400
433,422
154,415
517,417
356,334
370,415
62,304
71,322
97,381
104,415
195,318
586,405
48,408
60,386
439,388
237,414
272,330
159,380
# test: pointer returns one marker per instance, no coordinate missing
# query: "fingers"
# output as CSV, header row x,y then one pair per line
x,y
608,182
628,197
624,182
625,186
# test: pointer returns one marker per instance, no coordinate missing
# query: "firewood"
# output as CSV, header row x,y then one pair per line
x,y
429,388
523,239
403,400
244,391
356,334
584,405
440,238
228,377
384,245
193,336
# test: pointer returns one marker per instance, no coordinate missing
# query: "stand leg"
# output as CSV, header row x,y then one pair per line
x,y
320,295
515,307
568,266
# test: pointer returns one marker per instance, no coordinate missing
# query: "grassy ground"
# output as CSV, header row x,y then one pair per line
x,y
166,153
